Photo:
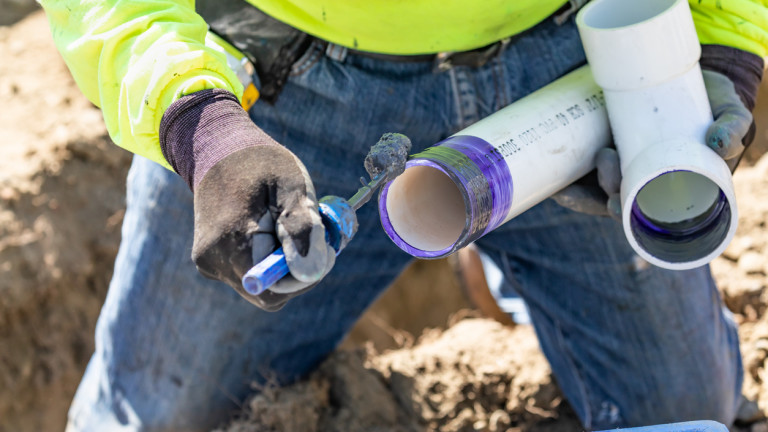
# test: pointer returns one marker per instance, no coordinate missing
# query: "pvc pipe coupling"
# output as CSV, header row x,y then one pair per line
x,y
678,203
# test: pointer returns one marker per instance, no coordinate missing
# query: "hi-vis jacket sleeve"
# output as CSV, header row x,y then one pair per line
x,y
740,24
133,58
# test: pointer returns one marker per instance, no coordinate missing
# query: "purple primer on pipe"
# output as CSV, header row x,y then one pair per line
x,y
494,169
482,177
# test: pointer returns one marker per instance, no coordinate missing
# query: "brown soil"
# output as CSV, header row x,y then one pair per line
x,y
61,206
477,375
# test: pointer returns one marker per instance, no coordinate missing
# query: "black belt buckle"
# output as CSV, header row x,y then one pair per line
x,y
474,58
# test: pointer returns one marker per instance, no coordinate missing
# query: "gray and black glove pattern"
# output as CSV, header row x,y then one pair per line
x,y
250,195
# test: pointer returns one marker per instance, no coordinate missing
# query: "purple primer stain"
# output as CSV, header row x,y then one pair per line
x,y
494,169
680,231
483,178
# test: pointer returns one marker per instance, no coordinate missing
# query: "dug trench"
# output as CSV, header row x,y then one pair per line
x,y
411,364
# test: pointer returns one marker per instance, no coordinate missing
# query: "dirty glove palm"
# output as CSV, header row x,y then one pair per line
x,y
249,193
731,78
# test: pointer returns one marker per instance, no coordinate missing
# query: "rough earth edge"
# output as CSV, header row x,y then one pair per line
x,y
61,204
476,376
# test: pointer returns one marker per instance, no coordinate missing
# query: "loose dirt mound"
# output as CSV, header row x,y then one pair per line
x,y
61,200
477,375
741,274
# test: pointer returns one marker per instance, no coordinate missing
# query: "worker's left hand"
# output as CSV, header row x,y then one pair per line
x,y
731,78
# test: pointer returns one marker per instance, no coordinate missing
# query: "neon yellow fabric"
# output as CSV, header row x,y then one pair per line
x,y
741,24
133,58
410,26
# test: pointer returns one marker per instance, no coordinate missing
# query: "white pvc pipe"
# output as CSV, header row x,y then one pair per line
x,y
678,204
472,182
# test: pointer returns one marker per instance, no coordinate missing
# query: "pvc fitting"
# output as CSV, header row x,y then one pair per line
x,y
469,184
678,203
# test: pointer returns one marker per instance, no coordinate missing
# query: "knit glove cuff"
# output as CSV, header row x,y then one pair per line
x,y
204,127
743,68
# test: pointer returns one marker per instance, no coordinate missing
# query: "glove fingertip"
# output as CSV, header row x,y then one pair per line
x,y
311,266
262,245
722,139
331,260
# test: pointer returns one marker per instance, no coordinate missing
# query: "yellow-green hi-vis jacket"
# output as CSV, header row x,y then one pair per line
x,y
133,58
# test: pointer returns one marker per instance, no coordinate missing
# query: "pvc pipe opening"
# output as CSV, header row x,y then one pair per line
x,y
425,209
680,217
610,14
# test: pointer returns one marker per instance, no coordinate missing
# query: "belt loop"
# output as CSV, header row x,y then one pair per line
x,y
573,7
446,60
336,52
442,61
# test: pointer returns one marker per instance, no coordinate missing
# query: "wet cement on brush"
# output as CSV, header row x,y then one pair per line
x,y
388,154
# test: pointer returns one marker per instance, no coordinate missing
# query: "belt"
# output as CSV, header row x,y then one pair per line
x,y
446,59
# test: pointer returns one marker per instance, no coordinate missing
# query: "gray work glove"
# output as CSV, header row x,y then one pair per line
x,y
250,194
732,78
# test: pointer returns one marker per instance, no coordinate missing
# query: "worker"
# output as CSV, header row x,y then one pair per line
x,y
629,343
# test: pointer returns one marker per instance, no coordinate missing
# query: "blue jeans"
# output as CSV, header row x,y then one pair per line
x,y
629,344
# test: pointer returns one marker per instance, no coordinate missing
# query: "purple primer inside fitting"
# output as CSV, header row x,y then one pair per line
x,y
686,240
685,230
483,179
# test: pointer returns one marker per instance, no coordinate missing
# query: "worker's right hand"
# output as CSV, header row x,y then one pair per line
x,y
250,195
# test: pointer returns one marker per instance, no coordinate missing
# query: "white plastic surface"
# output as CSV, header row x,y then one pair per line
x,y
549,139
645,56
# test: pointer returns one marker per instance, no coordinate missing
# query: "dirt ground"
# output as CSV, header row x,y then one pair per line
x,y
61,207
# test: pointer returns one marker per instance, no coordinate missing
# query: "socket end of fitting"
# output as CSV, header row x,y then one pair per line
x,y
679,207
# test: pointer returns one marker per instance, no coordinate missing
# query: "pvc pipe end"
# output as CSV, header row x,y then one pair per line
x,y
423,211
448,197
681,212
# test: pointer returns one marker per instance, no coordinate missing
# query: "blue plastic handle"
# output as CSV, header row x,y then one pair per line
x,y
340,226
266,273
